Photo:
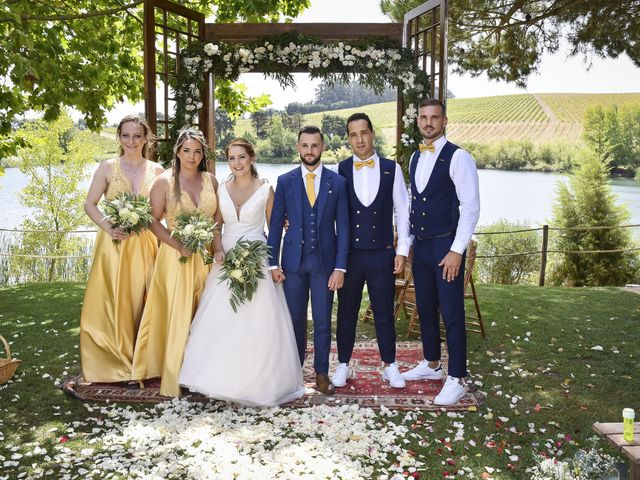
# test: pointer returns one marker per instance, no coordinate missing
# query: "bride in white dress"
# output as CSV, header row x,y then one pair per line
x,y
249,356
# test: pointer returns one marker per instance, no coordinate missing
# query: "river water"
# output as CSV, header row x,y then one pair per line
x,y
515,196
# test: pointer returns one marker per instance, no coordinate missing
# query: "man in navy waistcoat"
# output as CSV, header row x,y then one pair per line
x,y
313,199
445,207
377,192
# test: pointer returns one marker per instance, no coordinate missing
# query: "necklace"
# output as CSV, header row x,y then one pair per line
x,y
244,193
133,171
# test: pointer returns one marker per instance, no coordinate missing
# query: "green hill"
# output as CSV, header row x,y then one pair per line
x,y
540,118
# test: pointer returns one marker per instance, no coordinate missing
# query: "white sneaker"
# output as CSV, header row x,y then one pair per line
x,y
392,375
341,375
422,371
452,391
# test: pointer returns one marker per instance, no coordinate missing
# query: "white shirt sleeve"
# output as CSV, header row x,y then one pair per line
x,y
464,175
401,207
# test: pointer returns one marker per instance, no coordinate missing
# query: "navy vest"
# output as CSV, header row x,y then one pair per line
x,y
309,226
435,210
372,226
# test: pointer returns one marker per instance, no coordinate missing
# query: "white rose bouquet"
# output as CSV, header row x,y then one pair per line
x,y
128,212
195,231
243,266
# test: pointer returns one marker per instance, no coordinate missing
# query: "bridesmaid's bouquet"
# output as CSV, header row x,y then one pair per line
x,y
128,212
243,266
195,231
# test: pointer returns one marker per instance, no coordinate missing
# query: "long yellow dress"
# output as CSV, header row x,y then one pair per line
x,y
173,298
114,298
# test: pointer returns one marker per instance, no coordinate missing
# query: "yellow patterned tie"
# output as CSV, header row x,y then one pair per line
x,y
311,188
363,163
429,147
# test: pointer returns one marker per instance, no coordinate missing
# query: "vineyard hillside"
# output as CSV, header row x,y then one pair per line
x,y
540,118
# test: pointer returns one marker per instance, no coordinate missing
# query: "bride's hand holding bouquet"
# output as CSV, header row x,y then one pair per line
x,y
243,266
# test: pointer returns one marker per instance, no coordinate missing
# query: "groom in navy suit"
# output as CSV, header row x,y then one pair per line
x,y
314,201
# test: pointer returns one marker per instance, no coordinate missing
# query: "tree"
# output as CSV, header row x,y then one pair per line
x,y
334,125
613,132
261,121
506,39
225,126
283,141
87,54
55,162
587,201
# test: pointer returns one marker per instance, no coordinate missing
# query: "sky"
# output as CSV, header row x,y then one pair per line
x,y
557,72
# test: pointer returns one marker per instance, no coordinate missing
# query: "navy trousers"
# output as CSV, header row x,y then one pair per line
x,y
375,267
434,294
297,285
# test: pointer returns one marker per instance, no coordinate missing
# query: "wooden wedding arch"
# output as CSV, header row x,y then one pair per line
x,y
169,28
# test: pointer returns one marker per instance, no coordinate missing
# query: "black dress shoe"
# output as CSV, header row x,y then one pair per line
x,y
324,384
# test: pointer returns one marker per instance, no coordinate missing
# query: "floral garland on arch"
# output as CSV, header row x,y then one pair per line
x,y
377,62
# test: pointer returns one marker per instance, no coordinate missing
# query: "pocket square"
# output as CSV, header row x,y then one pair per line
x,y
386,172
441,159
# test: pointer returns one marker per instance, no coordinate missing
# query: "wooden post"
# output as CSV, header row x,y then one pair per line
x,y
211,121
543,260
149,38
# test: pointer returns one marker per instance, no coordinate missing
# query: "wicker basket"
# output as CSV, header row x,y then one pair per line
x,y
7,365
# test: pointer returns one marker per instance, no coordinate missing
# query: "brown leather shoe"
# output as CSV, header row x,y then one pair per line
x,y
324,384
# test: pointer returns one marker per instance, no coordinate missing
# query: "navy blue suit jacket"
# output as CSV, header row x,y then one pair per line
x,y
333,221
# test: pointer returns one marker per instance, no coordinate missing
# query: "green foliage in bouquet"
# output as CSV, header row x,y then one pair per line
x,y
128,212
243,266
195,231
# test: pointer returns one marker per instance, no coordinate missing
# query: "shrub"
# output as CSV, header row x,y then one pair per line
x,y
587,201
513,269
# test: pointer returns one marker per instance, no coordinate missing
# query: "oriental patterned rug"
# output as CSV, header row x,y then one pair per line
x,y
365,388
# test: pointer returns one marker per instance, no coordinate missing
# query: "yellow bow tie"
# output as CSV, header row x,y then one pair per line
x,y
363,163
429,147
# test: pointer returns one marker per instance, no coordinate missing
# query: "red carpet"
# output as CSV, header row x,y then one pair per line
x,y
366,387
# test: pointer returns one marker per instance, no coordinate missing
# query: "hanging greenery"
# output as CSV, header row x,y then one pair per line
x,y
378,63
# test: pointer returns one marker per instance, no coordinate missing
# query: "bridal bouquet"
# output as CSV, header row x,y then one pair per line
x,y
243,266
195,231
128,212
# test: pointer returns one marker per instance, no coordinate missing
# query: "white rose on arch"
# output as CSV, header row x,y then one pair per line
x,y
211,49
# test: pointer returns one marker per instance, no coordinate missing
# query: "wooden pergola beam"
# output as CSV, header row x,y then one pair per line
x,y
327,32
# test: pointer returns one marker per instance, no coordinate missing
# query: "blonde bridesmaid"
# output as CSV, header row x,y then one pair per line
x,y
120,275
175,287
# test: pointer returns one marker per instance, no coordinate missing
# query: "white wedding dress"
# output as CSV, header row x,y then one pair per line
x,y
249,356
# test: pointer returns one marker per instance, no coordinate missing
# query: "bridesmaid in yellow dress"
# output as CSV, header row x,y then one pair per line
x,y
175,287
120,275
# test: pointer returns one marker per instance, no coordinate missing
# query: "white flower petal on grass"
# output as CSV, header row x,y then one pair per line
x,y
597,348
212,441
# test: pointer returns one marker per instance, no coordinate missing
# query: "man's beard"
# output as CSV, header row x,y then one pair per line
x,y
311,163
433,134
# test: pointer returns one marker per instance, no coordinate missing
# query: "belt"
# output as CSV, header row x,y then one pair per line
x,y
442,235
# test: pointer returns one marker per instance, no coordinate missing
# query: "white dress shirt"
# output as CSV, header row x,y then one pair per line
x,y
366,183
316,181
464,175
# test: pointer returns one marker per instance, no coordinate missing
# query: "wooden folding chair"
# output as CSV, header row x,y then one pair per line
x,y
473,323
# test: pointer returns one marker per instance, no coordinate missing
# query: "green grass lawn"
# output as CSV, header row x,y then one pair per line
x,y
545,384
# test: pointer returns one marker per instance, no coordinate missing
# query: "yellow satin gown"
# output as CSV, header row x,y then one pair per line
x,y
172,301
114,298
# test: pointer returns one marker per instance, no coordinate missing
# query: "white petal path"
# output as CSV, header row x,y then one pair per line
x,y
182,440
